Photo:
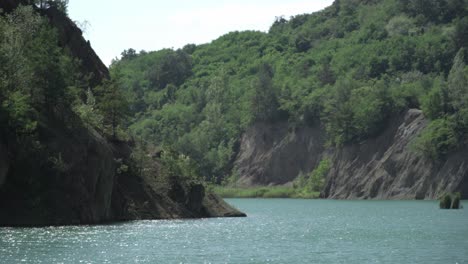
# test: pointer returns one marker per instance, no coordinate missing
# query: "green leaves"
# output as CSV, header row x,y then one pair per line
x,y
458,82
346,68
313,182
88,111
438,139
21,116
113,107
264,103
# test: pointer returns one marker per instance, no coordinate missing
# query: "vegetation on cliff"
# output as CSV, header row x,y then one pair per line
x,y
347,68
40,80
66,155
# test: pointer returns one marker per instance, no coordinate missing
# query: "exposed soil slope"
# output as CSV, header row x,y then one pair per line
x,y
384,167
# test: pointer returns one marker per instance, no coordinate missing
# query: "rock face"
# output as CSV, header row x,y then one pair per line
x,y
75,176
71,37
275,154
384,167
4,166
138,196
82,183
72,185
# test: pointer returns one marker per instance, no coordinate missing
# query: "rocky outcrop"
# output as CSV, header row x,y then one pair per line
x,y
144,196
383,167
71,38
69,174
275,154
66,179
386,167
78,177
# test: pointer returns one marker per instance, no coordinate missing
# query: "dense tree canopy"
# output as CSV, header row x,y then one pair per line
x,y
347,68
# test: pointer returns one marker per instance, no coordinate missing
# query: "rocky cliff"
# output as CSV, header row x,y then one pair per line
x,y
275,154
81,182
71,38
70,174
383,167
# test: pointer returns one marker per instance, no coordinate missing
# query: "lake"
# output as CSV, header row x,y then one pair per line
x,y
275,231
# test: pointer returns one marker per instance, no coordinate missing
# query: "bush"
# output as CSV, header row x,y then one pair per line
x,y
445,201
437,140
450,201
264,192
456,201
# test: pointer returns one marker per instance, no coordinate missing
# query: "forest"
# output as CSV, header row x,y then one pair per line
x,y
347,68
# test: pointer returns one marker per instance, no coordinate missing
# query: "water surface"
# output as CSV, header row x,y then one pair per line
x,y
275,231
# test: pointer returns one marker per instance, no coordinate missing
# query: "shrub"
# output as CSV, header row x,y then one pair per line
x,y
456,201
445,201
437,140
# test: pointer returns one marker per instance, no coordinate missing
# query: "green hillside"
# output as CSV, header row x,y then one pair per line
x,y
347,68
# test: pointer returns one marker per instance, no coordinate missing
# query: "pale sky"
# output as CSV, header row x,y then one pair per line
x,y
115,25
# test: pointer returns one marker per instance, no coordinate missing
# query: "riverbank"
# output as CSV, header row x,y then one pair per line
x,y
264,192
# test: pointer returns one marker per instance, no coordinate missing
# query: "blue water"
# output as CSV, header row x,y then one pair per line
x,y
275,231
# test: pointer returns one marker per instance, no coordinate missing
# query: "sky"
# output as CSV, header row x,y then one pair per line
x,y
114,25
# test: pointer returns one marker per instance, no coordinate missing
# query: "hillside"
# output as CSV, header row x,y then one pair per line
x,y
343,73
65,157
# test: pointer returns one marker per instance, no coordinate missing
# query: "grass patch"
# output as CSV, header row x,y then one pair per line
x,y
263,192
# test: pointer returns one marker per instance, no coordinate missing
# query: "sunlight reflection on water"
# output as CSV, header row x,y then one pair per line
x,y
276,231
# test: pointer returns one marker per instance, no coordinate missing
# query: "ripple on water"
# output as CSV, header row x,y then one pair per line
x,y
276,231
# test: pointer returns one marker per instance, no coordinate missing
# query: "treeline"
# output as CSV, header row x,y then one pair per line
x,y
347,68
41,85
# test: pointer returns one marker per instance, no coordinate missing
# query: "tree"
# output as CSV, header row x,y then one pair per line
x,y
438,139
461,33
173,68
88,112
20,115
326,74
129,54
264,103
399,25
429,9
436,104
61,5
316,179
458,82
113,106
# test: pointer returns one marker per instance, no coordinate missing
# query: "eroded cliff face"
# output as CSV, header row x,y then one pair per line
x,y
384,167
275,154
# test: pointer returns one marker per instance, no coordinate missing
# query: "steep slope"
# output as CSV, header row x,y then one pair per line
x,y
386,167
83,185
381,167
275,154
68,173
71,37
